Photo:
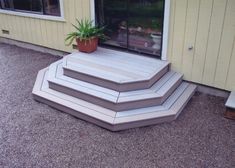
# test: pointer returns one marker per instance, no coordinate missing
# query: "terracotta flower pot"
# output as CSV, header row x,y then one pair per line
x,y
87,46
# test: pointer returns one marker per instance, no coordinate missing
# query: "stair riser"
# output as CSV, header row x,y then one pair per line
x,y
110,127
186,101
143,123
74,113
115,106
116,86
172,89
108,119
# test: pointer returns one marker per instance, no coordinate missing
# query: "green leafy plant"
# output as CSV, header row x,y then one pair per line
x,y
85,30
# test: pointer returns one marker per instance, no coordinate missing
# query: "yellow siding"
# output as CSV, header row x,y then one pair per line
x,y
45,33
207,25
190,36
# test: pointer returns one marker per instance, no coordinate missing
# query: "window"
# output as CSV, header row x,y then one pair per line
x,y
43,7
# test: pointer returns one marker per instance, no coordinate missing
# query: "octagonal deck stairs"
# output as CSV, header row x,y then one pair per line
x,y
113,89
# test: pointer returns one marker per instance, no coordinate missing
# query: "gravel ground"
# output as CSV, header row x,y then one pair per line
x,y
35,135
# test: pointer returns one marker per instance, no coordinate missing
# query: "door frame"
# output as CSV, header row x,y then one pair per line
x,y
166,23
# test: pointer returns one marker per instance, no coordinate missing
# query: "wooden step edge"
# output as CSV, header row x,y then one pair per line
x,y
163,116
230,103
135,85
180,105
143,123
172,84
106,103
156,99
93,118
230,107
118,55
79,115
121,86
66,87
111,102
42,87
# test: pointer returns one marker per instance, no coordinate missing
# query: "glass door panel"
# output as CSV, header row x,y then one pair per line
x,y
136,25
145,23
113,15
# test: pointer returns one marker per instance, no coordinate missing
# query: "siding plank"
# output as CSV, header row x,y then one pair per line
x,y
179,30
28,30
201,39
230,82
226,46
86,9
22,29
216,27
61,37
190,36
44,33
3,24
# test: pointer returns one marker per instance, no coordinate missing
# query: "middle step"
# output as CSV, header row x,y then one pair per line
x,y
111,99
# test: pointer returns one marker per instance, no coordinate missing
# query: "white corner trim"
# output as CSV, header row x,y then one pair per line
x,y
166,29
38,16
92,10
165,25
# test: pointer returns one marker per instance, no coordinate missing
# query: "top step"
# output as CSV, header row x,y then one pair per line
x,y
115,70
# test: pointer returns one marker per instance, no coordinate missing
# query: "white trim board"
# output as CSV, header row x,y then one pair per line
x,y
38,16
166,29
165,25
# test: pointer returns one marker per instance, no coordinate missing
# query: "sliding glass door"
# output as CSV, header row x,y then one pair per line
x,y
136,25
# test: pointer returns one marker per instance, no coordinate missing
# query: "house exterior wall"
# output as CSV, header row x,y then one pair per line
x,y
206,25
42,32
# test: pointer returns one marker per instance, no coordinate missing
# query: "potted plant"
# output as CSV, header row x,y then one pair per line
x,y
86,36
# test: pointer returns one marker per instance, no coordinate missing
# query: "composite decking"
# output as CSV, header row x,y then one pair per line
x,y
115,70
113,89
231,101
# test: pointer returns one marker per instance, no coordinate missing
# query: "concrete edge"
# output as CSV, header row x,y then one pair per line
x,y
210,90
33,47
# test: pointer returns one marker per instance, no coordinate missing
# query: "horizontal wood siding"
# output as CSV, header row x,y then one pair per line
x,y
206,25
45,33
209,27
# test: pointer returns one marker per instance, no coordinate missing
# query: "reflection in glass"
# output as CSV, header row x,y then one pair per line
x,y
133,24
28,5
52,7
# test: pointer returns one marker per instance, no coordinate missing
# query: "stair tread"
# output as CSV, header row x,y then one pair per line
x,y
120,60
175,102
115,68
158,90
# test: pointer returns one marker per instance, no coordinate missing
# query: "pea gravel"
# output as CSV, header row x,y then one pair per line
x,y
35,135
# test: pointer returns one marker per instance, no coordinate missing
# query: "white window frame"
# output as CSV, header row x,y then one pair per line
x,y
165,25
38,16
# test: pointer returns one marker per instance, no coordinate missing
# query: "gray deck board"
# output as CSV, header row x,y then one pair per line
x,y
231,101
80,89
115,66
104,117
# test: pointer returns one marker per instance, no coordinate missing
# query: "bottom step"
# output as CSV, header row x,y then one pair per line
x,y
109,119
